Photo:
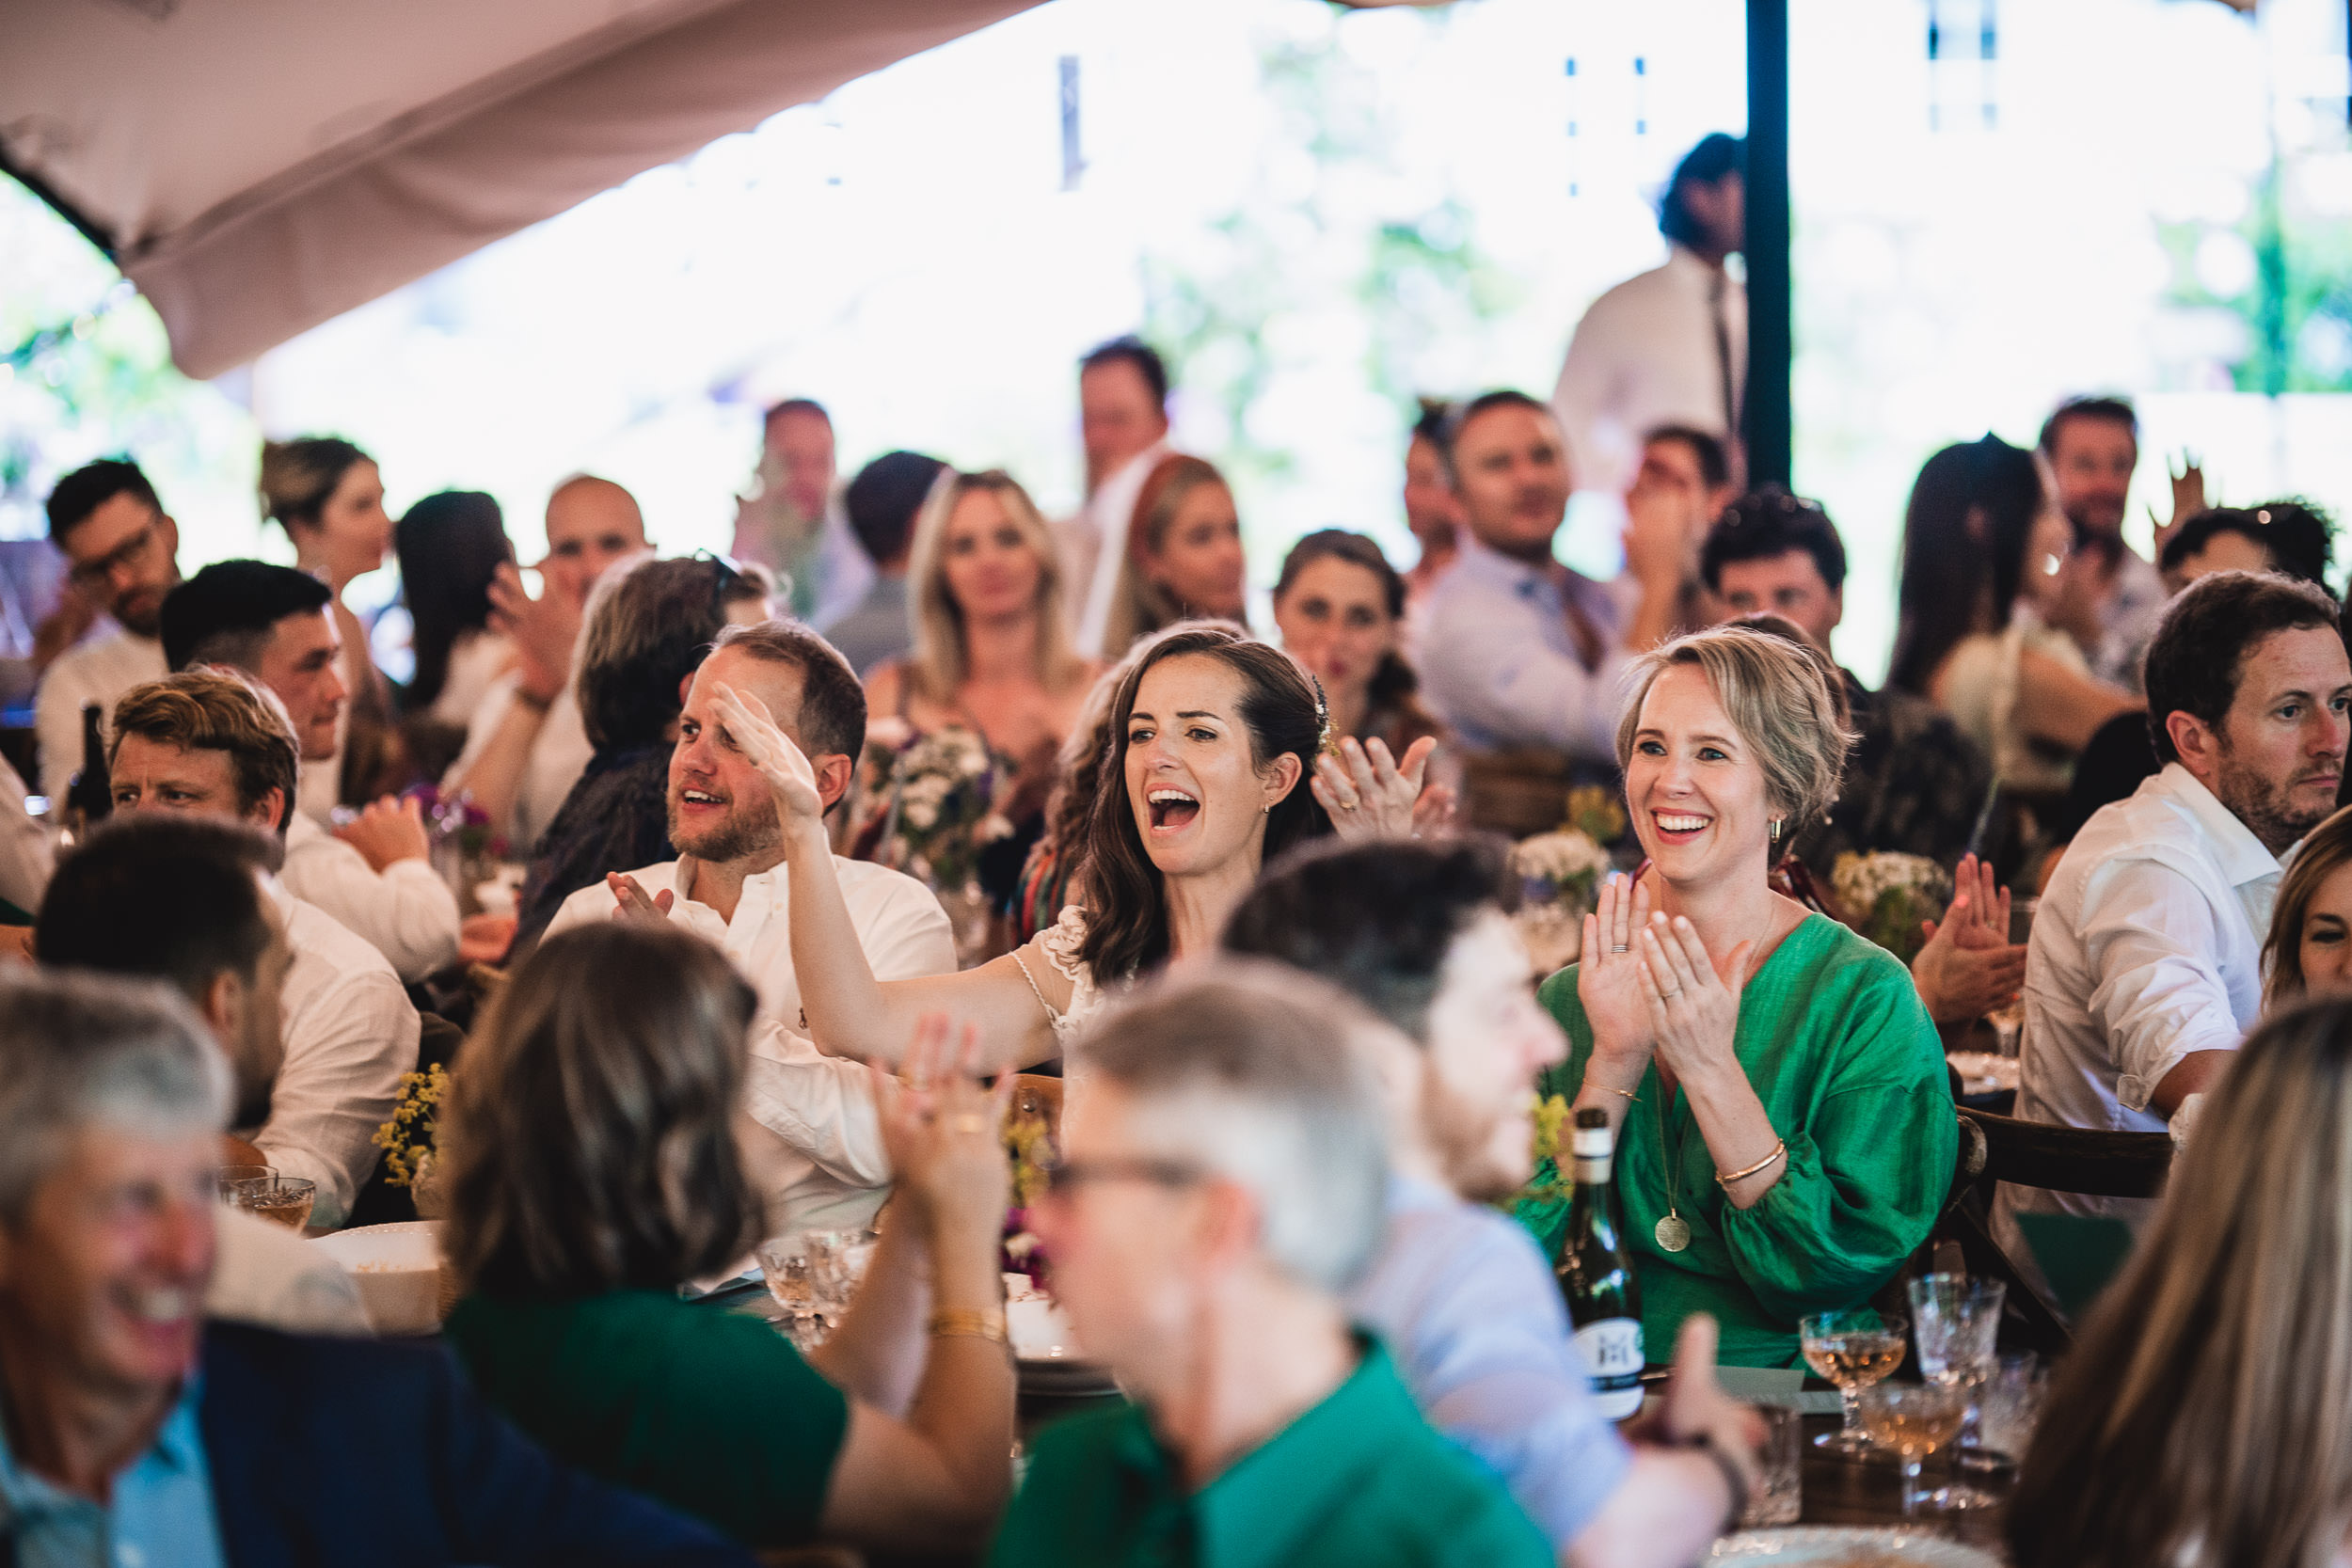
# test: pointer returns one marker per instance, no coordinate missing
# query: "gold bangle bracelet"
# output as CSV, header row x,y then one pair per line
x,y
970,1322
1780,1147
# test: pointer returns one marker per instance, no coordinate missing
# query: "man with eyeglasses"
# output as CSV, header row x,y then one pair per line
x,y
121,548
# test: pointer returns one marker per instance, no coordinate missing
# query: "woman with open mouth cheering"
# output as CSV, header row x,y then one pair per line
x,y
1212,736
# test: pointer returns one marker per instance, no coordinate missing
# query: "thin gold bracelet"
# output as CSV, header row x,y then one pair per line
x,y
969,1322
1780,1147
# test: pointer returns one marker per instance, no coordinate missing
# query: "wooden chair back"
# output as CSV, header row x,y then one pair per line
x,y
2071,1159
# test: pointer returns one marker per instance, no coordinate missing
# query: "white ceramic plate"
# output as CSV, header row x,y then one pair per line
x,y
1848,1545
398,1270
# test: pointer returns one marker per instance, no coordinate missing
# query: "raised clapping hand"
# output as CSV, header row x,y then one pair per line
x,y
1607,980
1366,792
633,902
940,1128
753,728
1693,1011
1969,966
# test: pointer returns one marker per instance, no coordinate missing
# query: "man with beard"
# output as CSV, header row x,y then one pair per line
x,y
824,1167
121,550
2145,966
2112,596
1458,1291
1522,654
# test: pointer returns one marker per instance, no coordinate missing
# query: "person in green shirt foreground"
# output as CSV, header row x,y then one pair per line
x,y
592,1168
1785,1124
1223,1180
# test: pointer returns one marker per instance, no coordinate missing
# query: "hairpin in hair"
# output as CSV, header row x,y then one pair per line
x,y
1323,718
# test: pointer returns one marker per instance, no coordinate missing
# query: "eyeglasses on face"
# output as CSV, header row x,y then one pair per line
x,y
1063,1180
131,552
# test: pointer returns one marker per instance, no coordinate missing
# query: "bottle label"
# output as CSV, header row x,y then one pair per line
x,y
1612,1348
1592,1143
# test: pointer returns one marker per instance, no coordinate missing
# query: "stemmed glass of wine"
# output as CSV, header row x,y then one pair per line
x,y
1853,1349
1955,1321
1915,1420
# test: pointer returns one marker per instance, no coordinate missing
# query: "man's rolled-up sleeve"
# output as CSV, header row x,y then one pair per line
x,y
2152,939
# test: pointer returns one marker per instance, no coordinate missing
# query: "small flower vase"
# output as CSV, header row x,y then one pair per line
x,y
432,1202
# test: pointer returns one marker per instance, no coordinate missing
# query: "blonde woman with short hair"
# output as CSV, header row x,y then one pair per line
x,y
991,653
1785,1126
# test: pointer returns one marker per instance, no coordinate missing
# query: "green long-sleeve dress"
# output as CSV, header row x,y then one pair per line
x,y
1847,1065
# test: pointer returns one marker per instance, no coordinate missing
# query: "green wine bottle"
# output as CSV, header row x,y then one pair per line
x,y
1596,1273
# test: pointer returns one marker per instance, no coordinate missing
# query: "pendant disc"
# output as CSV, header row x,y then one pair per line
x,y
1673,1234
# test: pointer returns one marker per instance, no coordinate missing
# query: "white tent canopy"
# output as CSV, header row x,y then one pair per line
x,y
257,166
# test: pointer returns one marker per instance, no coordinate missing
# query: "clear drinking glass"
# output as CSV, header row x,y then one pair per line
x,y
282,1199
2010,1404
1779,1494
1954,1321
1852,1349
1915,1420
784,1267
227,1174
836,1264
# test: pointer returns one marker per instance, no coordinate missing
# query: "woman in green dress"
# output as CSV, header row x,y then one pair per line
x,y
1785,1127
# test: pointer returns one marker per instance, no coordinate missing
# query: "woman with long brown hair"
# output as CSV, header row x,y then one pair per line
x,y
1213,737
1183,557
2204,1417
2310,945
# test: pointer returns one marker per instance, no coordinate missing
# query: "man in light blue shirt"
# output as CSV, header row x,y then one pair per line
x,y
158,1514
1520,652
1459,1292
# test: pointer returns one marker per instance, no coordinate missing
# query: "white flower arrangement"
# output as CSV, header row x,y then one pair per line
x,y
1556,865
1887,894
937,790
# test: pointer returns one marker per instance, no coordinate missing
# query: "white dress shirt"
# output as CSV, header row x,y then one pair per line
x,y
559,756
405,912
1500,664
1646,354
823,1164
350,1033
27,854
2147,946
96,670
1094,542
267,1275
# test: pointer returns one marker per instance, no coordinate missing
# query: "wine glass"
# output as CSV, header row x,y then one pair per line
x,y
1852,1349
1915,1420
283,1199
836,1265
1954,1321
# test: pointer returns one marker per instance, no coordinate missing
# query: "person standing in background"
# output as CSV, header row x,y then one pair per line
x,y
121,550
1122,415
329,497
1671,345
1682,486
2110,597
1433,513
527,746
794,524
883,502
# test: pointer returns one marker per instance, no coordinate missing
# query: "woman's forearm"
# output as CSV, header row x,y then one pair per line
x,y
848,1011
1738,1131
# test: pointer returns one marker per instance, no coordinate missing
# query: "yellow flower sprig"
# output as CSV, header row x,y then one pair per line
x,y
409,1138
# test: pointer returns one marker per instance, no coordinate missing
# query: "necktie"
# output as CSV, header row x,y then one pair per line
x,y
1580,628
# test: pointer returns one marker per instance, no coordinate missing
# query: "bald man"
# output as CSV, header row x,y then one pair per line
x,y
526,747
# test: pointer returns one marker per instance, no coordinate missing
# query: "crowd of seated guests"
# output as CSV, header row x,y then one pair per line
x,y
1301,1043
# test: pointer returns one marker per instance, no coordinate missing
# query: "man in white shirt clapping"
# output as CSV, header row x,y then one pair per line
x,y
2145,966
823,1162
373,875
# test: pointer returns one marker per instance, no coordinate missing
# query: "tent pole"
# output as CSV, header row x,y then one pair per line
x,y
1769,421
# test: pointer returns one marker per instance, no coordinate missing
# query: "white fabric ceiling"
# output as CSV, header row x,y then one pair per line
x,y
260,165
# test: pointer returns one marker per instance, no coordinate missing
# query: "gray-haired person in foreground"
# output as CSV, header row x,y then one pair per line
x,y
130,1431
1225,1165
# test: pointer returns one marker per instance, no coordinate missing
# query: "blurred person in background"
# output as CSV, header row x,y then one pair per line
x,y
992,657
2291,537
594,1170
820,1161
1122,421
1182,559
2146,969
132,1431
527,745
883,502
1671,345
1913,783
209,742
1524,656
121,550
329,497
1222,1188
1421,935
794,523
170,896
1985,549
2199,1419
649,626
374,874
1684,477
1432,510
2112,596
2309,950
450,547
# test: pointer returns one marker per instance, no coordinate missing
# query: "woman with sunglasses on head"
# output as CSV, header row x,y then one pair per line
x,y
1212,738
